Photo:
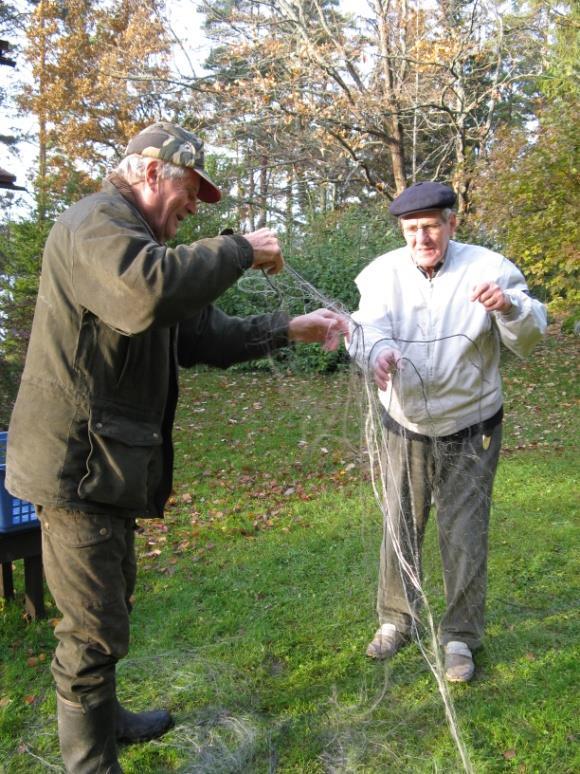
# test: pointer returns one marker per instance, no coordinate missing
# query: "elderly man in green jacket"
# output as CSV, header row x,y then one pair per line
x,y
90,437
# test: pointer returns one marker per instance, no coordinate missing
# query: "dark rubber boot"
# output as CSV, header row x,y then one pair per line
x,y
87,737
141,726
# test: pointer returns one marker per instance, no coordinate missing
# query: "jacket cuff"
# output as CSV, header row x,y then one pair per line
x,y
515,309
245,251
279,330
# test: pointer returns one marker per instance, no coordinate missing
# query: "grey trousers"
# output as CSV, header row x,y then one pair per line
x,y
456,475
90,568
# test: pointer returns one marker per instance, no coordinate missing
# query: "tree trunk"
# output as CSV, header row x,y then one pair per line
x,y
263,192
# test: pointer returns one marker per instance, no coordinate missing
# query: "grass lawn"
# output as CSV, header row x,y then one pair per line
x,y
256,596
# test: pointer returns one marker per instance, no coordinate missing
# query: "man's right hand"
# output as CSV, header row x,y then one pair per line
x,y
267,253
322,326
386,363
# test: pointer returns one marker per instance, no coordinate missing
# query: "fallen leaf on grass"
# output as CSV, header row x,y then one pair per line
x,y
509,754
30,699
5,701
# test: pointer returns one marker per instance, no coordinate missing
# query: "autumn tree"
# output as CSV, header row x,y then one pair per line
x,y
249,88
528,192
365,104
100,73
299,77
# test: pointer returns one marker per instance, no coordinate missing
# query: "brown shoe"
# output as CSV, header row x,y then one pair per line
x,y
386,642
459,666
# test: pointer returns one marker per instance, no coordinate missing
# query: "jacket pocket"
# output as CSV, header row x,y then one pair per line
x,y
124,465
76,529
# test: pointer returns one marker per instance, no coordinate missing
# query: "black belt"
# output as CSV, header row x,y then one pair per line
x,y
481,428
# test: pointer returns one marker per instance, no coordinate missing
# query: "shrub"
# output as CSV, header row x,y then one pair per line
x,y
328,257
21,246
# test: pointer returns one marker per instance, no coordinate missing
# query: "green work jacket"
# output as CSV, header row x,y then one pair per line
x,y
116,314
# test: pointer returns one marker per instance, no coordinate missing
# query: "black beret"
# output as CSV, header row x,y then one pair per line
x,y
423,196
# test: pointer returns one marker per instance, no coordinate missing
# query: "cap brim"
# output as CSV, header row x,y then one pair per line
x,y
208,190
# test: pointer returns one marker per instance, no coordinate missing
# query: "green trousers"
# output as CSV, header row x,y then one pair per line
x,y
90,568
456,476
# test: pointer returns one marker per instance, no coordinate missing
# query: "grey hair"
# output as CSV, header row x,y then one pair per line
x,y
445,214
132,169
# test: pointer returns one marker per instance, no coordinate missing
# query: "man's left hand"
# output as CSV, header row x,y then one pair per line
x,y
322,327
492,297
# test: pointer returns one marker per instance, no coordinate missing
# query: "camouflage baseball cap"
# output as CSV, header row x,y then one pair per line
x,y
175,145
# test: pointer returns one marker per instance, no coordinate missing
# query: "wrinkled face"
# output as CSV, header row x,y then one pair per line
x,y
427,236
174,199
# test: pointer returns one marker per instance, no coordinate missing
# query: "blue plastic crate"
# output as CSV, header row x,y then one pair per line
x,y
15,514
3,443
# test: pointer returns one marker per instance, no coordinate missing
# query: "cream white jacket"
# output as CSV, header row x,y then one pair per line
x,y
448,377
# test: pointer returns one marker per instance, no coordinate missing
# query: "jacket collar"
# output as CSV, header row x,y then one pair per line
x,y
122,186
115,182
437,268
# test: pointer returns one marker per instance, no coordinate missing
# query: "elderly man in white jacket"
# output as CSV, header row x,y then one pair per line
x,y
431,318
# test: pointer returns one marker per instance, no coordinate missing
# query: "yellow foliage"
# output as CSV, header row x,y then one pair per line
x,y
92,69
